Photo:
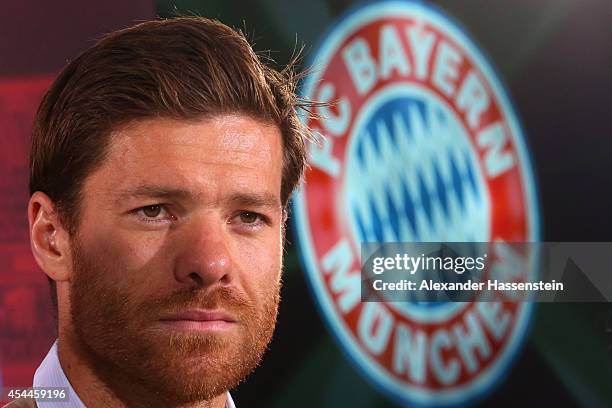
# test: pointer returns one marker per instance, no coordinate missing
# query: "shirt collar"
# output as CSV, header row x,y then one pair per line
x,y
51,374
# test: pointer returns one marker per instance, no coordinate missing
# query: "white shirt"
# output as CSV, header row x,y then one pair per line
x,y
51,374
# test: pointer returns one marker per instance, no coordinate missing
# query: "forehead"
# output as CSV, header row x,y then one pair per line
x,y
229,150
229,133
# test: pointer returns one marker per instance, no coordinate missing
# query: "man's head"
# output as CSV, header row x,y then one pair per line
x,y
161,166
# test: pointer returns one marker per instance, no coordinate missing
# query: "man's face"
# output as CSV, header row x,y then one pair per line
x,y
177,258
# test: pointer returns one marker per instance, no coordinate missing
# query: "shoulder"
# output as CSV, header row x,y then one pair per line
x,y
22,403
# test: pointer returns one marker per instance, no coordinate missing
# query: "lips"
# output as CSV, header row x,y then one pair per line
x,y
200,315
198,320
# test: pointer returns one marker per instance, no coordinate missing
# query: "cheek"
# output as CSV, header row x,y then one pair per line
x,y
258,265
128,258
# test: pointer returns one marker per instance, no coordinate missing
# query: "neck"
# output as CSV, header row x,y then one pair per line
x,y
122,391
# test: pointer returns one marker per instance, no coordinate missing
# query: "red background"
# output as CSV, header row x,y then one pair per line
x,y
35,43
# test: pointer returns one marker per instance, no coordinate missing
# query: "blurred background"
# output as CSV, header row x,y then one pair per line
x,y
555,59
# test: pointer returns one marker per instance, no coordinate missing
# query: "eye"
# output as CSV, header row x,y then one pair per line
x,y
250,220
152,211
249,217
155,213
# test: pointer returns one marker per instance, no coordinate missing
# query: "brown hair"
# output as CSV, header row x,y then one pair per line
x,y
182,68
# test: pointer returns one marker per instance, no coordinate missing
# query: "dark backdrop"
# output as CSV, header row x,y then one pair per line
x,y
556,60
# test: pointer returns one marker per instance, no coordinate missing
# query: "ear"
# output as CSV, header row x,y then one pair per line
x,y
49,239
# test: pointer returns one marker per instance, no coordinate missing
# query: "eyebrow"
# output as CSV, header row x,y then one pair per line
x,y
148,191
261,200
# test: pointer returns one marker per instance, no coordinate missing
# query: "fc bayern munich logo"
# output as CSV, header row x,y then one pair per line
x,y
421,144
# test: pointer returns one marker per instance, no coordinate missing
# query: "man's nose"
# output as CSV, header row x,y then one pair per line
x,y
205,258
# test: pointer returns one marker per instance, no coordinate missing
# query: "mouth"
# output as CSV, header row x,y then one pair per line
x,y
198,320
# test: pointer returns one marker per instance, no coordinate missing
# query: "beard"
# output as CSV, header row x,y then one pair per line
x,y
118,336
